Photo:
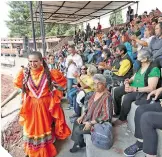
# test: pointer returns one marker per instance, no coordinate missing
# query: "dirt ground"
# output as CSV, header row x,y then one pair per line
x,y
6,86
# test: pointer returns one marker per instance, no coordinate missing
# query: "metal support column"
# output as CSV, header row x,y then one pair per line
x,y
137,7
32,22
42,30
115,18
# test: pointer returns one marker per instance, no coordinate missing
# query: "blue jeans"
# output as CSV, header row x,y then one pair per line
x,y
71,94
70,82
90,57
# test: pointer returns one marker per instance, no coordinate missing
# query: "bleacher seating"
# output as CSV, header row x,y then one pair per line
x,y
62,42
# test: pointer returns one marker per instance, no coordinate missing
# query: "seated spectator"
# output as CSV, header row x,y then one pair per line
x,y
126,41
156,45
147,120
151,16
143,42
107,60
115,42
154,22
95,55
141,26
136,30
86,85
98,56
144,81
76,87
118,34
160,18
99,107
104,46
121,68
138,44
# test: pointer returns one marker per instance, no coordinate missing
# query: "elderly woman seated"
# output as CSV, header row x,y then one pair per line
x,y
86,85
137,87
99,109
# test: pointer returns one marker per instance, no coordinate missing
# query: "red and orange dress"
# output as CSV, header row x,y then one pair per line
x,y
41,116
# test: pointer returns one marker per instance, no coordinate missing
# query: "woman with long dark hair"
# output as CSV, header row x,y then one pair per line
x,y
41,116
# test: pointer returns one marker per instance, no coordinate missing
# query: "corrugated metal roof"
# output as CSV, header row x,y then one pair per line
x,y
74,12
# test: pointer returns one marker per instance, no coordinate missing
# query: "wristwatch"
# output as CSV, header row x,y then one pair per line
x,y
137,89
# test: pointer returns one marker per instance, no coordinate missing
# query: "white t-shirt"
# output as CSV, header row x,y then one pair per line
x,y
72,68
148,40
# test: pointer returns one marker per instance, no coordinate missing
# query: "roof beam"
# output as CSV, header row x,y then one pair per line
x,y
72,7
119,7
97,10
57,9
78,10
68,14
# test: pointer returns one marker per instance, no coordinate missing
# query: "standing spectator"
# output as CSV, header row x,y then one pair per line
x,y
61,65
99,27
130,14
73,64
88,30
94,32
51,62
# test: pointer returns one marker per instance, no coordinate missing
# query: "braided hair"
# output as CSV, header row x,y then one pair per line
x,y
27,72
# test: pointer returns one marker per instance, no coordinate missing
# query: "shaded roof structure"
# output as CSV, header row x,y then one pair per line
x,y
75,12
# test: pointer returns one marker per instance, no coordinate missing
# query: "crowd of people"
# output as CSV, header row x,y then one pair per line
x,y
100,68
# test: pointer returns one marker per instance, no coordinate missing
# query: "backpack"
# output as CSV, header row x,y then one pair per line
x,y
102,136
102,133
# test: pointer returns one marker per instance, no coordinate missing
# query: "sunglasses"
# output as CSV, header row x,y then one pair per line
x,y
83,69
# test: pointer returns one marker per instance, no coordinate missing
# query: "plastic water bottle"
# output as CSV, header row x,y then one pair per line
x,y
152,101
121,83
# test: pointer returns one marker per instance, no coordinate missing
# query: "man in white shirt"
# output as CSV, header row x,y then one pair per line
x,y
73,64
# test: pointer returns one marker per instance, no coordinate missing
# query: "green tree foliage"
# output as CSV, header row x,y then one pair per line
x,y
19,27
119,18
59,29
18,14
